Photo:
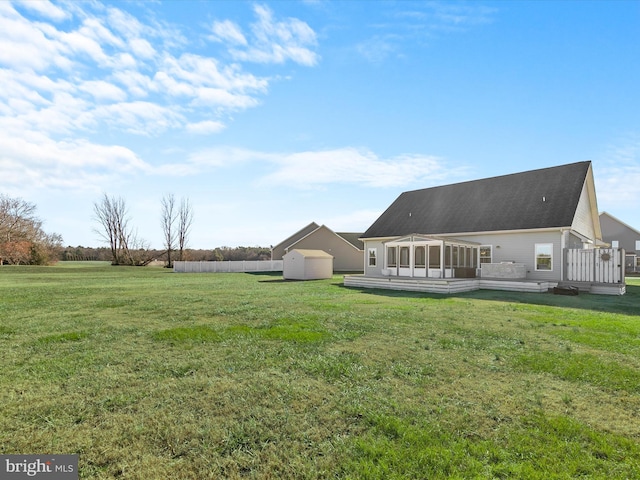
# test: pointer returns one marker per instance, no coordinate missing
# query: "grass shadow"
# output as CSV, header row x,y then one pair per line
x,y
627,304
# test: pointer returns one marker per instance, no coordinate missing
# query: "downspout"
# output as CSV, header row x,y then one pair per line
x,y
442,267
563,242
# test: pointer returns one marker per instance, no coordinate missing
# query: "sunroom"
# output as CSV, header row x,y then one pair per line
x,y
430,257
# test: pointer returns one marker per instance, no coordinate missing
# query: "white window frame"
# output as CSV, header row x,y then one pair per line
x,y
490,247
536,255
373,255
637,245
615,243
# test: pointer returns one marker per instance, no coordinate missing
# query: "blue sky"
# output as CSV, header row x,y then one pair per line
x,y
270,115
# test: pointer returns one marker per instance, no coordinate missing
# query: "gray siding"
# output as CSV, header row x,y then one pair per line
x,y
614,229
520,248
377,270
506,247
347,258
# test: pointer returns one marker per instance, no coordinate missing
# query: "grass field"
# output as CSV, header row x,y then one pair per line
x,y
147,374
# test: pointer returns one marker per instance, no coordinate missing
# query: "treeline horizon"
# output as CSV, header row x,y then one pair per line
x,y
81,253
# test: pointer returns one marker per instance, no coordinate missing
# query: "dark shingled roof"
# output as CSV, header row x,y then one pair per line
x,y
541,198
353,239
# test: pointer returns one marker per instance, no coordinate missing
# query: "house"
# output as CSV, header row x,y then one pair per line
x,y
620,235
512,226
301,264
346,248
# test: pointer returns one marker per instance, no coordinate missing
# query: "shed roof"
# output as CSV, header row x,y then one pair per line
x,y
311,253
542,198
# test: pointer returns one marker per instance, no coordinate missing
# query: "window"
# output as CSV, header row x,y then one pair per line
x,y
447,256
614,243
404,257
434,256
485,254
455,255
544,256
637,245
391,257
420,257
474,257
373,253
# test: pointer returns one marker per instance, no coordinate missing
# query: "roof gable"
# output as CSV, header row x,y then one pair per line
x,y
610,220
306,253
543,198
352,238
303,232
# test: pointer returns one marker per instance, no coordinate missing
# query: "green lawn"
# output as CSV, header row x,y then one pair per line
x,y
147,374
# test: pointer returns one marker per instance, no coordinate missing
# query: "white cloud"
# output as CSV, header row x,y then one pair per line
x,y
316,169
272,41
138,84
354,166
46,9
419,23
70,71
39,162
103,91
617,176
227,31
141,118
206,127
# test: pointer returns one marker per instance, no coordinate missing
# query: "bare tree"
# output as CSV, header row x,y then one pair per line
x,y
18,220
111,214
185,219
168,220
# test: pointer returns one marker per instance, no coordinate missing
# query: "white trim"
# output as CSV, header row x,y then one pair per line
x,y
535,257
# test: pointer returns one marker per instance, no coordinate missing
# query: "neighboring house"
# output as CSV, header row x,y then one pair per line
x,y
620,235
518,223
346,248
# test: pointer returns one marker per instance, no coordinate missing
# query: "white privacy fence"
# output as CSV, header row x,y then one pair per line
x,y
603,265
240,266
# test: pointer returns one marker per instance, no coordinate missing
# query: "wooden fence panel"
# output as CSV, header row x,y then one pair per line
x,y
601,265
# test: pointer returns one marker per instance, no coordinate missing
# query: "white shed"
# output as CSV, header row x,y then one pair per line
x,y
301,264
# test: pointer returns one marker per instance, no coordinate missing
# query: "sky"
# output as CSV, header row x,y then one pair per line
x,y
267,116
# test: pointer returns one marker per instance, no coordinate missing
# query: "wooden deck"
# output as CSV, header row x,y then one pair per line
x,y
447,285
458,285
597,288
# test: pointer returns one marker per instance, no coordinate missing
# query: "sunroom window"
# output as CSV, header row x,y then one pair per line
x,y
420,257
391,257
434,256
404,257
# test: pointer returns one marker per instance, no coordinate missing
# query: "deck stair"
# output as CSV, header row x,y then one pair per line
x,y
596,287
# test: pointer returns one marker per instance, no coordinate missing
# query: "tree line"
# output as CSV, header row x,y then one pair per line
x,y
81,253
24,242
22,239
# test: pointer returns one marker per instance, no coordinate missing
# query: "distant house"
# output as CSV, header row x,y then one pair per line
x,y
345,248
514,225
620,235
